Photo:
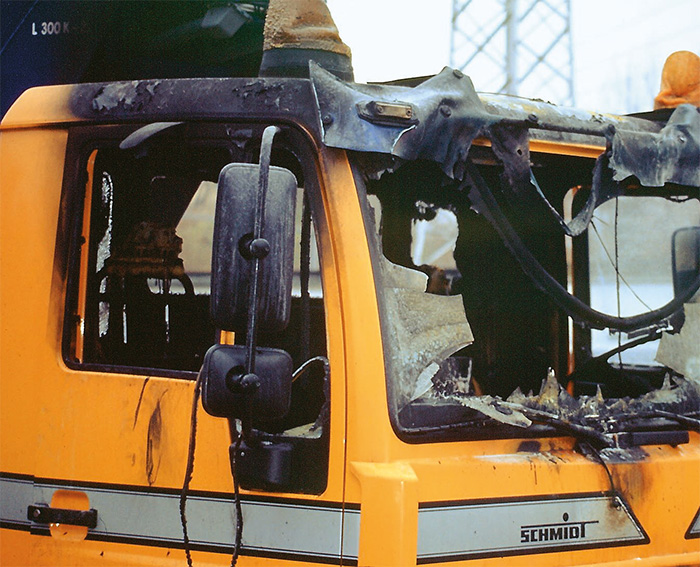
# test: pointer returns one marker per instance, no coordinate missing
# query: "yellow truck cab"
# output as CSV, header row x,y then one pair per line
x,y
301,320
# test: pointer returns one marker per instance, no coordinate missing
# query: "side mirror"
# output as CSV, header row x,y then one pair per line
x,y
227,391
234,223
686,258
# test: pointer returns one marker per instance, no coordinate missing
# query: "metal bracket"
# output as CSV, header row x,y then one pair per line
x,y
387,113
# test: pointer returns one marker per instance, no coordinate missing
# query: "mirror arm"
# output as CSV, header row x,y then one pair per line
x,y
258,248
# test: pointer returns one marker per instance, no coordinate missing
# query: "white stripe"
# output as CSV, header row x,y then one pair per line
x,y
15,496
694,530
498,527
274,527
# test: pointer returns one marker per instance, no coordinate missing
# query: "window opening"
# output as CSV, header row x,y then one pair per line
x,y
147,261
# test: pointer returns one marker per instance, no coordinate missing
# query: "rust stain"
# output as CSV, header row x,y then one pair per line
x,y
153,453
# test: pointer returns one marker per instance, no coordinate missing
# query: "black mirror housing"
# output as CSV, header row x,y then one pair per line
x,y
233,233
686,258
224,396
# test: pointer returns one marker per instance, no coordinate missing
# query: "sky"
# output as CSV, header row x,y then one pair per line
x,y
619,46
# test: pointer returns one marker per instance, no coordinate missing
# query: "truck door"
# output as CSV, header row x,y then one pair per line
x,y
115,412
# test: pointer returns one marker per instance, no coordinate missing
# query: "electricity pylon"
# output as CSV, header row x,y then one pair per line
x,y
520,47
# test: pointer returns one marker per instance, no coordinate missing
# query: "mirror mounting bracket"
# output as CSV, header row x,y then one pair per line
x,y
252,273
258,248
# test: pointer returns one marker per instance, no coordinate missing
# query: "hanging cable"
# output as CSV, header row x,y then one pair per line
x,y
599,458
189,469
235,450
612,263
617,276
484,203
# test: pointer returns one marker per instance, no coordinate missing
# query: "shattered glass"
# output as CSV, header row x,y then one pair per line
x,y
587,416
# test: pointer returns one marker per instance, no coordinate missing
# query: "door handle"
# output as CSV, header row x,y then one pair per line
x,y
43,514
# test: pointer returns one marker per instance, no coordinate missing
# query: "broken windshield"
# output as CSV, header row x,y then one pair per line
x,y
493,216
471,339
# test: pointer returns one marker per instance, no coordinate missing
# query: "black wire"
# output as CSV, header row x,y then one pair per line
x,y
600,459
617,276
190,468
623,347
575,430
689,422
237,499
188,478
485,204
299,371
612,263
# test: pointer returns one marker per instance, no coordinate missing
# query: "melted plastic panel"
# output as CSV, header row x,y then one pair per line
x,y
426,329
444,115
671,156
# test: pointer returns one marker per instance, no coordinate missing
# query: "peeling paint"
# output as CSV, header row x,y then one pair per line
x,y
133,95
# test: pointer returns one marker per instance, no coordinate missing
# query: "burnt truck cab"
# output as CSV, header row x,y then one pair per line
x,y
474,330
